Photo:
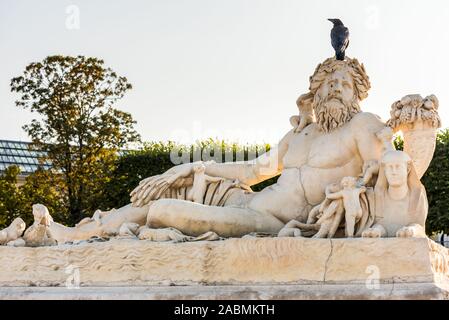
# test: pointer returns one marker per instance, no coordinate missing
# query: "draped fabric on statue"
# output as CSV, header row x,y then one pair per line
x,y
217,193
367,204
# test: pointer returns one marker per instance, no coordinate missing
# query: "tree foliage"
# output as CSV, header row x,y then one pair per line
x,y
436,181
10,199
40,187
79,129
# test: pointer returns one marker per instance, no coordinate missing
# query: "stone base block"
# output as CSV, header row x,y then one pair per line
x,y
293,268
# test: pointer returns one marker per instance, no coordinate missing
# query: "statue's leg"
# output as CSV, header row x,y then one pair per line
x,y
195,219
350,225
110,224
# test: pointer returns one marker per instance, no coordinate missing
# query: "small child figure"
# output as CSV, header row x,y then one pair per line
x,y
350,194
200,182
306,115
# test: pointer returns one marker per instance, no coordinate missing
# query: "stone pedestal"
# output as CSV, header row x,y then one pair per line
x,y
283,268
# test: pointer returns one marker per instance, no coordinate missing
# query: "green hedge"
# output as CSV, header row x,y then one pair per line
x,y
436,181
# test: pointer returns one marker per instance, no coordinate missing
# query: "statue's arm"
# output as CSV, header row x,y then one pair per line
x,y
252,172
334,195
365,129
213,179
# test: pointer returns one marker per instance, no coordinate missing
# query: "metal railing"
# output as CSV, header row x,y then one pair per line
x,y
444,243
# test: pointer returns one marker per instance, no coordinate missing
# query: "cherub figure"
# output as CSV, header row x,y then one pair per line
x,y
323,220
39,233
350,194
328,222
306,115
200,182
13,232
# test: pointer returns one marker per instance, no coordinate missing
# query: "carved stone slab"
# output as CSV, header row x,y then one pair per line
x,y
249,261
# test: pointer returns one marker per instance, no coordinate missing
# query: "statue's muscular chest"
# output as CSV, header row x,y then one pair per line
x,y
319,150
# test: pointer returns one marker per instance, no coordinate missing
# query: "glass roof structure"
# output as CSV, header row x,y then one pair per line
x,y
18,153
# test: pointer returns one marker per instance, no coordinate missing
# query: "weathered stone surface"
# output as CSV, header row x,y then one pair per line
x,y
244,262
259,292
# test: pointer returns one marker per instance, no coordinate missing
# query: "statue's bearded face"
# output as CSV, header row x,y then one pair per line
x,y
335,102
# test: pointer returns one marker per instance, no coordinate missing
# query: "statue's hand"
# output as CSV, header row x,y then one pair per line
x,y
152,188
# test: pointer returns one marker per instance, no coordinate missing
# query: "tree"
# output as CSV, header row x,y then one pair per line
x,y
45,187
40,187
436,181
11,203
79,129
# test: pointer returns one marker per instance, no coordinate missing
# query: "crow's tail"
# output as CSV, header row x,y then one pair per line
x,y
340,55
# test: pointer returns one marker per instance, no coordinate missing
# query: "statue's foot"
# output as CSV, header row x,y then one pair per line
x,y
128,229
371,233
411,232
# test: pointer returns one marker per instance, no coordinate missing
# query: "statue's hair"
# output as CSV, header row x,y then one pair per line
x,y
357,71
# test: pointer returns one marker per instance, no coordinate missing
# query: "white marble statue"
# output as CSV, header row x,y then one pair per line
x,y
350,194
331,139
341,141
306,115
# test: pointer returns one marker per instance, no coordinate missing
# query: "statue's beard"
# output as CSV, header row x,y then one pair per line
x,y
332,112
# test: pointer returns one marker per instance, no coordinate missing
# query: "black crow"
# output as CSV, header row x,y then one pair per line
x,y
339,38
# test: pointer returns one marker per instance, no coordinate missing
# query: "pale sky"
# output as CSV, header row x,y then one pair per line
x,y
227,68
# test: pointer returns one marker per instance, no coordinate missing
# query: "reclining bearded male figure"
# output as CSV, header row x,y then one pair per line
x,y
340,141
